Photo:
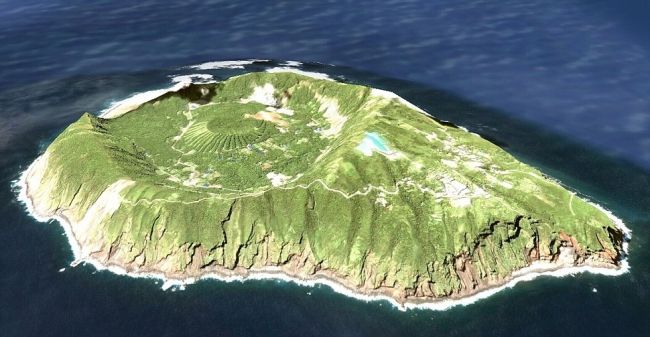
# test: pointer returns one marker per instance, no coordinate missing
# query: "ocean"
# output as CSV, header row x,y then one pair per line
x,y
559,85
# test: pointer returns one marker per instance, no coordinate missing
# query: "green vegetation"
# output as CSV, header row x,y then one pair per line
x,y
269,169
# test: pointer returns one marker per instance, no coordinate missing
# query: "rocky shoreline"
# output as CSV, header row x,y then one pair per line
x,y
569,261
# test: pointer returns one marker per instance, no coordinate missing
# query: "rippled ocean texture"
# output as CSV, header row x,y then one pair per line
x,y
562,85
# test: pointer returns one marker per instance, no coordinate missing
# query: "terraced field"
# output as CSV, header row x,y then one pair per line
x,y
223,127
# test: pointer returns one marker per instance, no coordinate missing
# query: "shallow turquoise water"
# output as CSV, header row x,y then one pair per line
x,y
377,141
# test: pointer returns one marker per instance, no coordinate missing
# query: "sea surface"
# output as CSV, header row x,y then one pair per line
x,y
562,85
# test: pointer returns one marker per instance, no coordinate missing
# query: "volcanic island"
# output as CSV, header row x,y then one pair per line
x,y
278,173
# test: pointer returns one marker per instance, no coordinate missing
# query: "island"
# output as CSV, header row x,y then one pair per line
x,y
279,174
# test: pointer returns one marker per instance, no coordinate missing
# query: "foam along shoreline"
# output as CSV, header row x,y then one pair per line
x,y
536,269
132,102
193,78
234,64
289,69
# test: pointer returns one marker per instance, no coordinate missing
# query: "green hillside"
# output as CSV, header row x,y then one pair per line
x,y
317,177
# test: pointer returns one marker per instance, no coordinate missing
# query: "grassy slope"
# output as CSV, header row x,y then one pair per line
x,y
164,224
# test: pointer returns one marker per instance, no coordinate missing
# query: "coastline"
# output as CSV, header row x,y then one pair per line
x,y
134,101
536,269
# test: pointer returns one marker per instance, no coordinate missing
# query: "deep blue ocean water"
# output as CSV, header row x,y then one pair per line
x,y
561,85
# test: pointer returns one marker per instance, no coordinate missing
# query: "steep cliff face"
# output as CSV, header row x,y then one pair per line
x,y
312,178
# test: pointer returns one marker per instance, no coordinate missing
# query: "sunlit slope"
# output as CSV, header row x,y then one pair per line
x,y
315,176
